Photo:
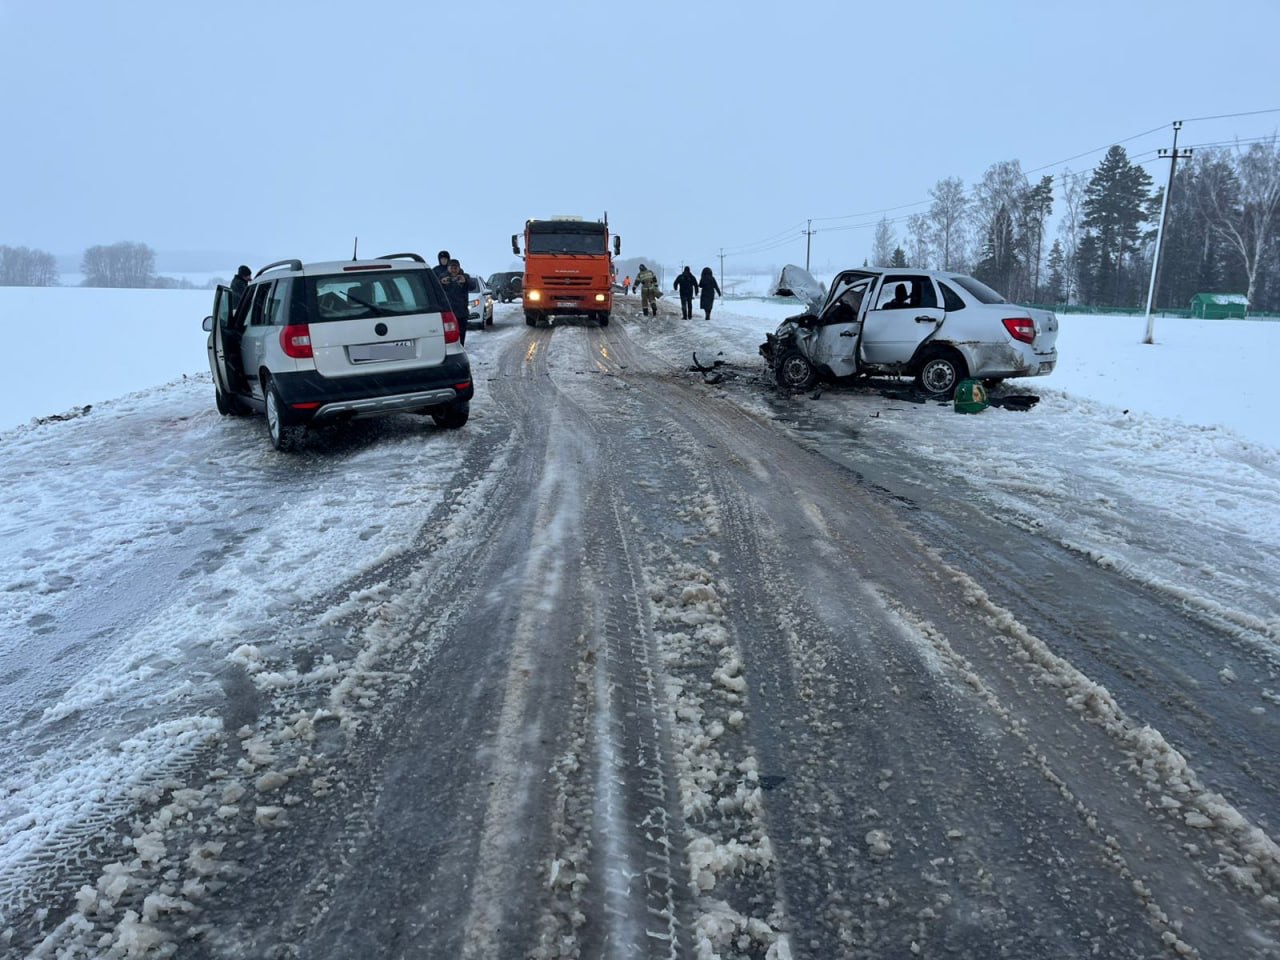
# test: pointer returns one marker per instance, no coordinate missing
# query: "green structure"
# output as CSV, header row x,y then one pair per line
x,y
1216,306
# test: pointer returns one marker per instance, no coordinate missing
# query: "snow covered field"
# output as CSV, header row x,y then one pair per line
x,y
1130,447
73,346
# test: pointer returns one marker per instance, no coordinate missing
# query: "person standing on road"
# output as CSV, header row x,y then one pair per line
x,y
647,281
441,269
239,284
455,284
710,290
626,284
686,285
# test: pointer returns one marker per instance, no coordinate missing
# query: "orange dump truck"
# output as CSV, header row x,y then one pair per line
x,y
568,268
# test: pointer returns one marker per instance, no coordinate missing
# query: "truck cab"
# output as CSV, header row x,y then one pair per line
x,y
568,268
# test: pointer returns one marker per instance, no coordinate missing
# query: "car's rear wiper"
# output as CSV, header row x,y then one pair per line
x,y
375,309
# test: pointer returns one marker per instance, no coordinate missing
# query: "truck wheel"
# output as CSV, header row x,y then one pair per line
x,y
530,318
794,371
604,319
941,371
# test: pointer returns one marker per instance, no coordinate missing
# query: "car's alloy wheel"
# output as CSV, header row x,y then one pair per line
x,y
284,436
794,370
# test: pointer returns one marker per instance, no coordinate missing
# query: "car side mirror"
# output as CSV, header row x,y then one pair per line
x,y
208,324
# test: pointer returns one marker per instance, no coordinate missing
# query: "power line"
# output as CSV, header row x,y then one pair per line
x,y
1228,116
793,233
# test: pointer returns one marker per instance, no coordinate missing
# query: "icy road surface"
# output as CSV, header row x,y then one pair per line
x,y
632,666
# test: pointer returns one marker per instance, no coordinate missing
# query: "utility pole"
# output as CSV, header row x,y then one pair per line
x,y
808,242
1174,156
722,270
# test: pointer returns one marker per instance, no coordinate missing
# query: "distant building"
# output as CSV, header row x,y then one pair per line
x,y
1217,306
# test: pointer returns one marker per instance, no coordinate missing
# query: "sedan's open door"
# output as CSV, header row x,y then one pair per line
x,y
840,322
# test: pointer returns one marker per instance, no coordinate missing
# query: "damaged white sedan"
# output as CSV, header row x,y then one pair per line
x,y
940,328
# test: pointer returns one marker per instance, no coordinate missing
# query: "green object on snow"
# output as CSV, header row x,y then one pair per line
x,y
971,397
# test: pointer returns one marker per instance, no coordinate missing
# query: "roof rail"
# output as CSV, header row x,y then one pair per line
x,y
402,256
291,264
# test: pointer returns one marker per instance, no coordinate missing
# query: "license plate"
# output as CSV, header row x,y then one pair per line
x,y
566,303
1046,368
373,352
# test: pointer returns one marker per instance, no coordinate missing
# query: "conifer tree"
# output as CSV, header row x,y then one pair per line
x,y
1117,205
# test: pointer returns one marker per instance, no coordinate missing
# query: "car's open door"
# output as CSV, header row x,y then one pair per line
x,y
217,339
905,312
840,323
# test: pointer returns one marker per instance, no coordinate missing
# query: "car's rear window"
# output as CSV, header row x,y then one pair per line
x,y
977,289
356,296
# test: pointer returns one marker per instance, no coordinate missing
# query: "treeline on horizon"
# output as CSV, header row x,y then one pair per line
x,y
1221,235
1221,232
123,264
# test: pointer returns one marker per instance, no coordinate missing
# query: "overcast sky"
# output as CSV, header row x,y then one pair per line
x,y
259,131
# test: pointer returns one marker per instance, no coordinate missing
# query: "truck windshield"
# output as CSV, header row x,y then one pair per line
x,y
550,242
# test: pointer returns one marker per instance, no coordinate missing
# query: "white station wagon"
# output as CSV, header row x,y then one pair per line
x,y
313,343
937,327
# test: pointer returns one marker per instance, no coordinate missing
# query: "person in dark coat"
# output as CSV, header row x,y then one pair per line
x,y
455,284
442,264
686,285
710,290
239,284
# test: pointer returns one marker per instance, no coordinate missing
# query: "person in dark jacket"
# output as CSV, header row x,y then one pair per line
x,y
442,264
239,284
686,285
710,290
455,284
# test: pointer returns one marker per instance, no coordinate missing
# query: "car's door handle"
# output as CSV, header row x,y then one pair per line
x,y
927,320
847,333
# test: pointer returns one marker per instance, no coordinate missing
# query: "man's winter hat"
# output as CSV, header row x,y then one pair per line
x,y
642,266
243,271
442,255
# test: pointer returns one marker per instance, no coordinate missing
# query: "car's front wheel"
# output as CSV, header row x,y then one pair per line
x,y
941,371
284,435
794,371
452,416
530,318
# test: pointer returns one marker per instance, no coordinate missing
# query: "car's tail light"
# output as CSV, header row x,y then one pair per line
x,y
1021,328
295,341
451,334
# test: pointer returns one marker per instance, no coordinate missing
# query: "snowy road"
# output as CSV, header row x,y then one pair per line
x,y
633,665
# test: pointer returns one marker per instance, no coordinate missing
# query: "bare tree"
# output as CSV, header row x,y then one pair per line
x,y
1244,213
919,241
122,264
1071,228
885,241
947,214
24,267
